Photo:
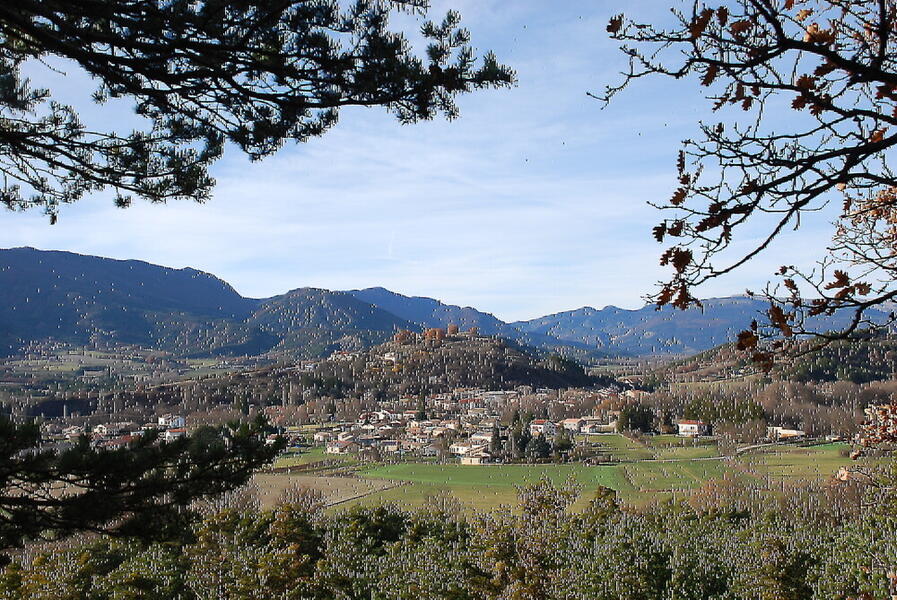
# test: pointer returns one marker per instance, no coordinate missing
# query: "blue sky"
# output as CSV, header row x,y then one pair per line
x,y
533,202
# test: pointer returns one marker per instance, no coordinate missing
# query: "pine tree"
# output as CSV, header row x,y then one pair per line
x,y
143,490
203,74
495,443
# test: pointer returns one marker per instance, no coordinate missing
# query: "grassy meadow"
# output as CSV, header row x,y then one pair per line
x,y
649,470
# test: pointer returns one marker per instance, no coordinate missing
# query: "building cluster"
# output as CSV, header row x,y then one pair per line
x,y
114,435
467,424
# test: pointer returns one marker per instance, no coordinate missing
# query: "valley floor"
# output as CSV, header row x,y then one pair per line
x,y
648,471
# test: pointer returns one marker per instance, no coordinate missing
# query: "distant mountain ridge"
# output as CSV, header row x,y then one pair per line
x,y
432,313
84,299
649,331
90,300
428,312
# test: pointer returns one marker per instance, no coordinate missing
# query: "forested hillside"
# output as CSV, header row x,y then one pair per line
x,y
85,300
648,331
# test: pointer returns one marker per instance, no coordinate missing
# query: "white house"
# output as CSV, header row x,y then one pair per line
x,y
484,437
172,434
462,448
781,433
543,426
172,421
73,431
341,447
324,436
574,425
478,456
692,428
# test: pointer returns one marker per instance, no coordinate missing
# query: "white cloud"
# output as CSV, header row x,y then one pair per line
x,y
533,202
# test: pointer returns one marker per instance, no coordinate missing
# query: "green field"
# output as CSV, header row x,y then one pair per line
x,y
673,446
336,490
486,486
619,447
623,449
794,462
655,469
673,476
494,475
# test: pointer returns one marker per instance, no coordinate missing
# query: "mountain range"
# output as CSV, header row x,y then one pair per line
x,y
86,300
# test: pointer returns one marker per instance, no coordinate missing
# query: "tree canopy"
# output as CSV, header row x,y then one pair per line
x,y
203,74
832,66
142,490
730,540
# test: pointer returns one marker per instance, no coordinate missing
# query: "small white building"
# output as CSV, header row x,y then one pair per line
x,y
322,437
543,426
463,448
73,431
574,425
781,433
484,437
171,435
476,457
341,447
172,422
692,428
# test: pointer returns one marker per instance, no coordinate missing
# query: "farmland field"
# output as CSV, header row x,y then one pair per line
x,y
790,463
619,447
315,455
488,486
673,446
648,476
336,490
655,469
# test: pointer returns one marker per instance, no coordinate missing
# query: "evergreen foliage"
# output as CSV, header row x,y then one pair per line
x,y
207,73
144,490
723,546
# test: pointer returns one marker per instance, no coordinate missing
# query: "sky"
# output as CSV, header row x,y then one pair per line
x,y
533,202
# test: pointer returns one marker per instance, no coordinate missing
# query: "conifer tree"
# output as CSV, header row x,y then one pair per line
x,y
144,490
203,74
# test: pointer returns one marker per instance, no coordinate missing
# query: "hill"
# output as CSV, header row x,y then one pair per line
x,y
433,313
868,358
872,357
408,369
314,322
428,312
85,300
648,331
82,299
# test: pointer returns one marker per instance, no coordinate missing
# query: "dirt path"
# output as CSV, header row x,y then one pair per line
x,y
368,493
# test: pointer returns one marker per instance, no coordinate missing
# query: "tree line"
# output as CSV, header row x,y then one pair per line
x,y
724,542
